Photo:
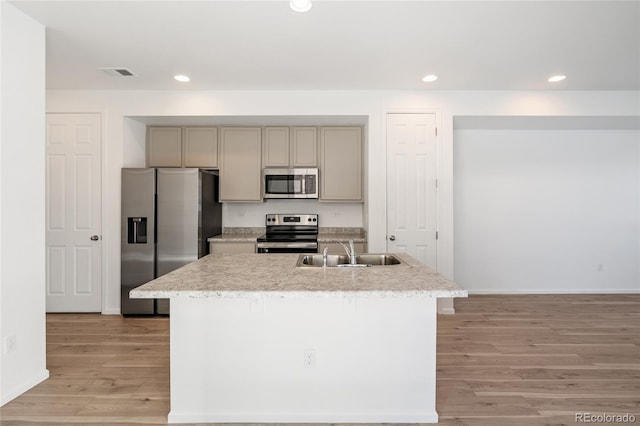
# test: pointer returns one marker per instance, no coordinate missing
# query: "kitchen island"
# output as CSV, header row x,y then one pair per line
x,y
256,339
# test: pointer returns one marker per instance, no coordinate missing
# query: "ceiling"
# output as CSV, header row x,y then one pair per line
x,y
357,44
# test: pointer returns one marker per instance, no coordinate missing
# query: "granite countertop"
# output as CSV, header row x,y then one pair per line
x,y
238,235
275,275
325,235
333,235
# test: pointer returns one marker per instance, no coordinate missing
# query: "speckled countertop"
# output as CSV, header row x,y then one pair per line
x,y
325,235
275,275
238,235
333,235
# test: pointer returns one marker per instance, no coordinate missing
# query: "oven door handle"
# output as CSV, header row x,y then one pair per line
x,y
287,245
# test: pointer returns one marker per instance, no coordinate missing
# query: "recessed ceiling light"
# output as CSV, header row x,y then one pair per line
x,y
429,78
556,78
182,78
300,5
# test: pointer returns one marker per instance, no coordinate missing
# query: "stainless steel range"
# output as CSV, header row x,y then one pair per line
x,y
289,233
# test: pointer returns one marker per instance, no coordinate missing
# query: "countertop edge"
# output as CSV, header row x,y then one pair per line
x,y
388,294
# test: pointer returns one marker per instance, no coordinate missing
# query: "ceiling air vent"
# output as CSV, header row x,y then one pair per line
x,y
117,71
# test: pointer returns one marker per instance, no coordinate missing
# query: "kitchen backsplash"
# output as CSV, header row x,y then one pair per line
x,y
237,215
259,230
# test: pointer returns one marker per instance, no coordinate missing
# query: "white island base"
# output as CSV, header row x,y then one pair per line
x,y
304,359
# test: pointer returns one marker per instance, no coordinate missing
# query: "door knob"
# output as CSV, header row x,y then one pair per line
x,y
95,238
392,237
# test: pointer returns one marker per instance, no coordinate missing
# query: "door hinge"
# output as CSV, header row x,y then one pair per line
x,y
436,183
436,235
436,131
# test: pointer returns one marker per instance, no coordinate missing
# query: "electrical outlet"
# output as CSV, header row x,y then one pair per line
x,y
309,358
10,344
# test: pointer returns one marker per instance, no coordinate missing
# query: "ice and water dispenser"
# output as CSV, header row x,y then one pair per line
x,y
137,230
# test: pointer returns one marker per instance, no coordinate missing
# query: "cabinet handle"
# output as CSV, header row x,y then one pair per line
x,y
392,237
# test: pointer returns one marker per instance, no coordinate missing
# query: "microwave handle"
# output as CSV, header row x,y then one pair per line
x,y
304,184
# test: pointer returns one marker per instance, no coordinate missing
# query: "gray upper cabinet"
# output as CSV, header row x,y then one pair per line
x,y
241,152
182,147
164,146
275,147
304,147
240,164
290,147
340,164
200,146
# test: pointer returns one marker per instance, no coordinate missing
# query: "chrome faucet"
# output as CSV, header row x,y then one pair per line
x,y
351,251
324,257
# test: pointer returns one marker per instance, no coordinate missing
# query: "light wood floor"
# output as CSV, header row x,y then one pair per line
x,y
502,360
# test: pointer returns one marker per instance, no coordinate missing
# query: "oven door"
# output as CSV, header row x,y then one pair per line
x,y
266,247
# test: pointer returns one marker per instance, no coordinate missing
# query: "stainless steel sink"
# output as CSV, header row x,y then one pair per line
x,y
311,260
334,260
377,259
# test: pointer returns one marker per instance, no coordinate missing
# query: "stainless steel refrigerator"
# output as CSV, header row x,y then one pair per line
x,y
167,216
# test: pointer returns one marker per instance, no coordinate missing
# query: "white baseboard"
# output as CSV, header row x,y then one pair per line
x,y
445,306
111,311
556,291
19,390
270,417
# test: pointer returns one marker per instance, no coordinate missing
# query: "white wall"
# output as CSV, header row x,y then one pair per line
x,y
22,261
117,105
547,211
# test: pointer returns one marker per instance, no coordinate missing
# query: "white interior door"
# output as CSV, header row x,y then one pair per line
x,y
411,186
73,159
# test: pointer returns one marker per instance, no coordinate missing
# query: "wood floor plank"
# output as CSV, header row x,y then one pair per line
x,y
502,360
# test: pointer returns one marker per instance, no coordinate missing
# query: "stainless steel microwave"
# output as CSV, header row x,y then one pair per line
x,y
290,183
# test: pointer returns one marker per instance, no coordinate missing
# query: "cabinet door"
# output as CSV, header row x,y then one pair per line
x,y
164,146
304,147
341,163
200,147
275,147
240,164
